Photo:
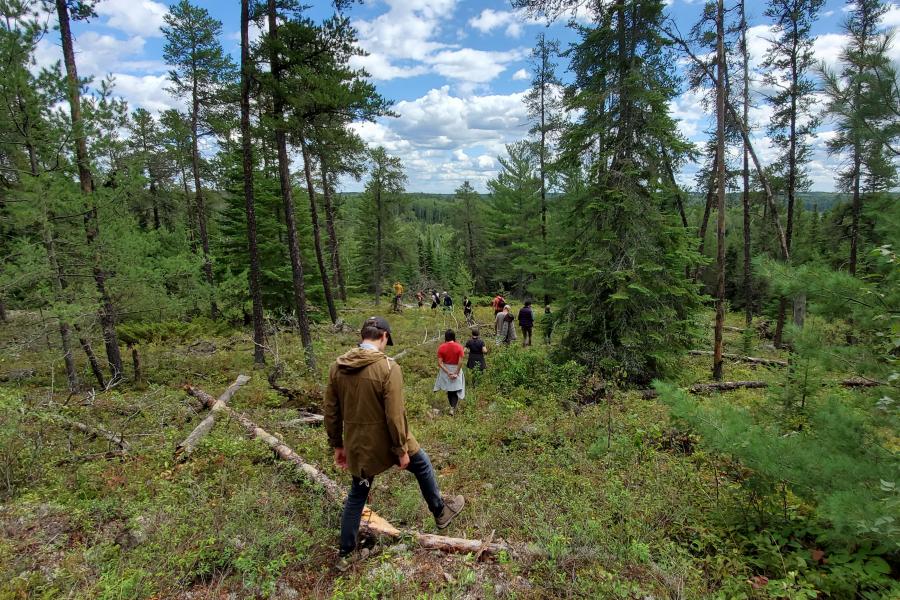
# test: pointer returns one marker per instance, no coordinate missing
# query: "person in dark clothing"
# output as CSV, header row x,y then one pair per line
x,y
526,322
448,301
477,349
548,324
467,310
435,299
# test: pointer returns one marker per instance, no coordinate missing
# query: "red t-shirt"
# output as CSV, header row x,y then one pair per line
x,y
450,353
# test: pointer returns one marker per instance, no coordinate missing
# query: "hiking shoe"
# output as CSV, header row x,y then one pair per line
x,y
452,411
452,507
345,562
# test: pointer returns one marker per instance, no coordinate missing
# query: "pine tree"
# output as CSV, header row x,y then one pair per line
x,y
629,305
200,71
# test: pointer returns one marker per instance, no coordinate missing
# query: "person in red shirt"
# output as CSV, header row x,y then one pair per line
x,y
450,376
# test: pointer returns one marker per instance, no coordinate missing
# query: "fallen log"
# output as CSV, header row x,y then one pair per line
x,y
754,360
403,353
728,386
93,431
304,419
187,447
371,522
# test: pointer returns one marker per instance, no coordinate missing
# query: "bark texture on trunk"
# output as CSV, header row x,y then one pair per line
x,y
317,238
745,174
330,218
259,336
107,312
720,184
287,196
92,358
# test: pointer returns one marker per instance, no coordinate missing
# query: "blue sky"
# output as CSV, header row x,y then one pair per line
x,y
456,70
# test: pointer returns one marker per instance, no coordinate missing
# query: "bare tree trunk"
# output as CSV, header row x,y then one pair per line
x,y
720,185
856,209
287,196
333,244
136,363
748,282
92,358
379,250
317,238
154,195
760,172
199,203
59,284
189,210
543,160
107,312
3,317
259,336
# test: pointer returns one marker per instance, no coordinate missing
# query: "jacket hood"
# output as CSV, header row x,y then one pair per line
x,y
358,358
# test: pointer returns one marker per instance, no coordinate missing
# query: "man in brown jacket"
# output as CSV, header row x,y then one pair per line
x,y
365,417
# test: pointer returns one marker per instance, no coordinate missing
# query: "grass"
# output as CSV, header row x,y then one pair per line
x,y
617,508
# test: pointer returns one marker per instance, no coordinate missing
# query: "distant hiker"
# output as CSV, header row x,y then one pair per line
x,y
435,299
547,323
448,302
526,322
505,324
398,296
467,310
420,298
451,378
498,303
477,349
365,417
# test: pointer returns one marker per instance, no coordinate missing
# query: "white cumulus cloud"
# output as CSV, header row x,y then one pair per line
x,y
141,17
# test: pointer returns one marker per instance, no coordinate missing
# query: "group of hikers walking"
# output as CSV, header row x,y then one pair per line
x,y
365,411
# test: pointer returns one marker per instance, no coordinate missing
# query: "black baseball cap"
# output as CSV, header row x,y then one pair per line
x,y
382,324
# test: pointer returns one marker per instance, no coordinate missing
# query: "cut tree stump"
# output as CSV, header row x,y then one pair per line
x,y
371,522
187,447
771,362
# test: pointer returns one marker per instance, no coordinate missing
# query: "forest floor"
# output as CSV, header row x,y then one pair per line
x,y
619,501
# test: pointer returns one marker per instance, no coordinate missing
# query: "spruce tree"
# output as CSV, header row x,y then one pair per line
x,y
513,222
543,103
855,99
386,182
629,305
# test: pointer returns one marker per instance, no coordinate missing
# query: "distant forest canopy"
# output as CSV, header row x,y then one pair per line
x,y
231,208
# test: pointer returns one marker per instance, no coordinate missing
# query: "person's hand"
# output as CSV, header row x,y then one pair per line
x,y
454,375
404,461
340,458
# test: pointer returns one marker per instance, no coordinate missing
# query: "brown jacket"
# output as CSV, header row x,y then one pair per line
x,y
365,413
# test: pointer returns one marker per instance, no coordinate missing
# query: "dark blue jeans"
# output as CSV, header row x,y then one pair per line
x,y
419,465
